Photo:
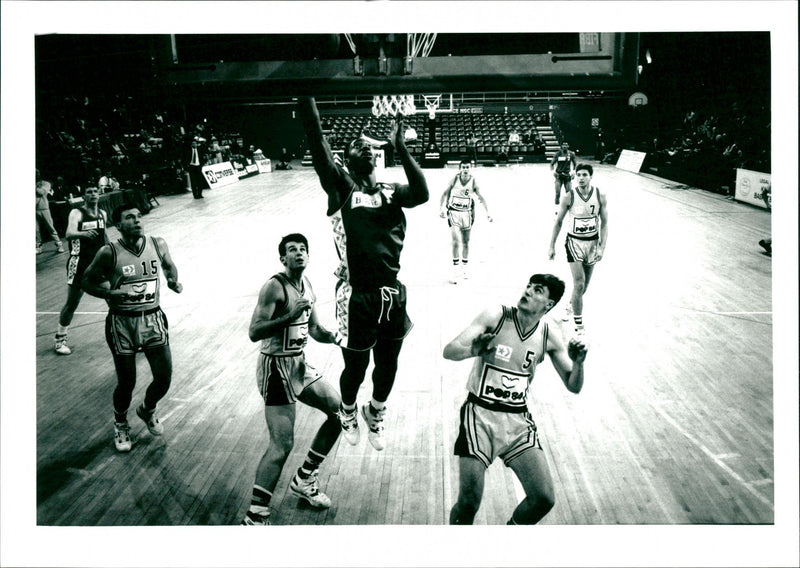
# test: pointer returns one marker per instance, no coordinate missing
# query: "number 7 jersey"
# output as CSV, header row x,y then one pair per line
x,y
503,376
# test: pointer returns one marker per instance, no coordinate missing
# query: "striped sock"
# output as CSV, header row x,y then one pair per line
x,y
261,497
312,463
578,320
455,261
377,405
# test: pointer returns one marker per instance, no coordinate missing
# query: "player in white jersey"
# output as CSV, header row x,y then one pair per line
x,y
458,205
586,211
508,343
283,319
126,274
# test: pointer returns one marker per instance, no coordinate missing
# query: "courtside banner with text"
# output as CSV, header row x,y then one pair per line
x,y
220,174
631,160
264,165
750,187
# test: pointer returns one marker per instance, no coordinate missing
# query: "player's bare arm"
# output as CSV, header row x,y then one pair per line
x,y
476,339
96,279
601,245
72,227
445,194
167,264
479,195
567,360
317,331
330,175
416,191
560,214
263,324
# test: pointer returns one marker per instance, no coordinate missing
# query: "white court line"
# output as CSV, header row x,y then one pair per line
x,y
747,485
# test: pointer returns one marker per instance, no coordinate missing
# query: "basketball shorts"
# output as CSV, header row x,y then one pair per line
x,y
76,266
281,379
487,434
127,333
581,250
364,316
461,218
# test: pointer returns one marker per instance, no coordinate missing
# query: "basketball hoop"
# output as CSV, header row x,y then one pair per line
x,y
392,105
432,103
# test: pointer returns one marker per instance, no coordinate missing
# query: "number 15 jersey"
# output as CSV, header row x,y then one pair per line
x,y
292,338
502,377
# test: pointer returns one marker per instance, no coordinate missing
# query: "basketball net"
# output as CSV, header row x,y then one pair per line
x,y
392,105
432,103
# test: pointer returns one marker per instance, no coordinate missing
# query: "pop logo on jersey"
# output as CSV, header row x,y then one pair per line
x,y
128,270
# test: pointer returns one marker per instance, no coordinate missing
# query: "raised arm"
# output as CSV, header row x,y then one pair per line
x,y
476,339
170,270
568,361
329,173
416,191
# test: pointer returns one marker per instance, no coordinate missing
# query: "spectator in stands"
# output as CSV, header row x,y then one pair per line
x,y
472,147
60,189
502,155
599,145
215,151
44,220
513,138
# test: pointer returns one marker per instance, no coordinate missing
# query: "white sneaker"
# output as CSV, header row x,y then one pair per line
x,y
256,516
38,249
61,345
376,435
349,422
122,436
567,315
308,489
464,272
580,331
59,248
150,418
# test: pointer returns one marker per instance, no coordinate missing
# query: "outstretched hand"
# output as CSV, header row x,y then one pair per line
x,y
396,132
577,350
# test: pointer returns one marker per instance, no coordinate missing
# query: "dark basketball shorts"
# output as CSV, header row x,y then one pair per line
x,y
487,434
581,250
76,266
127,334
281,378
364,316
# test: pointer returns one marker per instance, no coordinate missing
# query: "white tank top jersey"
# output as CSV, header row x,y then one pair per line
x,y
584,214
137,273
291,339
461,194
503,376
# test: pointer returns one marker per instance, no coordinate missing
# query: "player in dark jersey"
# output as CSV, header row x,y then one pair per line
x,y
126,274
283,319
369,228
508,343
86,233
562,164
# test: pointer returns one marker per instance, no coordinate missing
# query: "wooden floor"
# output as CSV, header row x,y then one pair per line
x,y
674,425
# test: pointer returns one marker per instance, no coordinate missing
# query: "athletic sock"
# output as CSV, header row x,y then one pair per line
x,y
312,463
377,406
62,330
464,261
261,497
455,261
578,320
120,416
349,408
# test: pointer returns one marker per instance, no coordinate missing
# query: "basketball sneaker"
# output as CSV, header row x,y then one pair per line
x,y
122,436
374,420
349,422
60,248
580,331
308,489
464,272
61,345
256,515
150,418
38,249
456,274
567,315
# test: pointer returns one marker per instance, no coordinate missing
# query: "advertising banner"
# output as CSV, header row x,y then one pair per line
x,y
631,160
750,187
221,174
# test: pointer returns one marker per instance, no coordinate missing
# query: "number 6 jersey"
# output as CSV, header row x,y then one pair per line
x,y
502,377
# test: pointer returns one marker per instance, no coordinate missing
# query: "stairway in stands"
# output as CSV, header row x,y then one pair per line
x,y
551,144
